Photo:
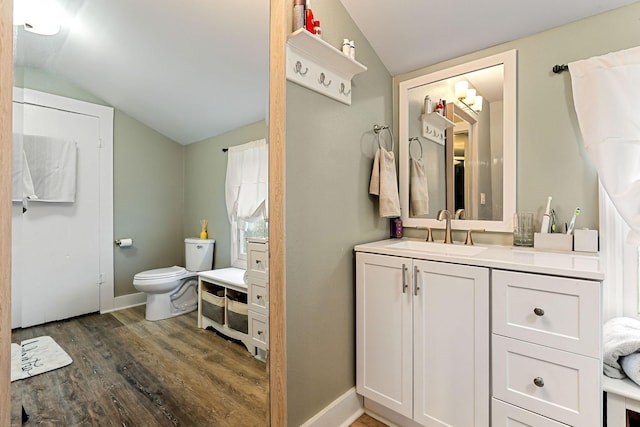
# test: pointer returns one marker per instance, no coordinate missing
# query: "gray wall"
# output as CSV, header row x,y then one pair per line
x,y
205,172
148,203
551,159
329,155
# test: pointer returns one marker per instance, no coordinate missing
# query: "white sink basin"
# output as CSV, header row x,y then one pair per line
x,y
438,248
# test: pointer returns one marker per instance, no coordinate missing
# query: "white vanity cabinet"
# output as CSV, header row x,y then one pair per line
x,y
422,346
257,280
546,349
500,336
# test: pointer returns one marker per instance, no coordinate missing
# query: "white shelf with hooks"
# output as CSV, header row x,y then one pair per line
x,y
434,125
316,65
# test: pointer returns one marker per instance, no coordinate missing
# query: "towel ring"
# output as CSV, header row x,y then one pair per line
x,y
415,138
377,129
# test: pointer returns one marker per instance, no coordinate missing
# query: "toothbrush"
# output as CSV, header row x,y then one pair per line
x,y
545,218
572,224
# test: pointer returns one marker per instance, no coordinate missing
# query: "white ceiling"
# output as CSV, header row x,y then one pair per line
x,y
410,34
194,69
189,69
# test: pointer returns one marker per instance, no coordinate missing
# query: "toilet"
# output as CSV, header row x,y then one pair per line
x,y
173,291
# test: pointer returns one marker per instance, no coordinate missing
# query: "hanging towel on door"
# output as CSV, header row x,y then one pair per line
x,y
21,182
52,163
384,183
419,191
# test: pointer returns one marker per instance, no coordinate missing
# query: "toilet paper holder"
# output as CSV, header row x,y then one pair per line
x,y
123,243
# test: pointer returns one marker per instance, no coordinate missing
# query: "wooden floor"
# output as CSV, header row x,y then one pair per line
x,y
127,371
367,421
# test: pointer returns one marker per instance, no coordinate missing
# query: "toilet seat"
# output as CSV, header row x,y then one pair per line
x,y
161,273
162,276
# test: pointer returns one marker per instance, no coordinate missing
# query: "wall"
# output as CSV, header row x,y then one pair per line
x,y
148,203
329,155
148,187
551,160
204,186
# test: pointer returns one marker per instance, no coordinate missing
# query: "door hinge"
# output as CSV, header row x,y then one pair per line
x,y
100,145
100,279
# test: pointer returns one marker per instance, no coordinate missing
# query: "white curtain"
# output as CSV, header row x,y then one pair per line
x,y
246,188
606,95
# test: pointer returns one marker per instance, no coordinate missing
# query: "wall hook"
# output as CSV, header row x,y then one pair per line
x,y
322,79
298,69
342,90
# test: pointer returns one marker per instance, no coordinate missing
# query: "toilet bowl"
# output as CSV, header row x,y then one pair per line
x,y
173,291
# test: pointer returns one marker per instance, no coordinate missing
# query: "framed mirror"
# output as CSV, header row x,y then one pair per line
x,y
457,141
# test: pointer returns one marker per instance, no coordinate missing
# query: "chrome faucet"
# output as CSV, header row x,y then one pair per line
x,y
446,215
459,214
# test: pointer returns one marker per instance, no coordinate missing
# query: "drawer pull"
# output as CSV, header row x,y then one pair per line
x,y
259,298
538,381
538,311
416,273
260,333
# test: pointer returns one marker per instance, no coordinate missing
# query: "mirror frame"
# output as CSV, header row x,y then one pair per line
x,y
508,59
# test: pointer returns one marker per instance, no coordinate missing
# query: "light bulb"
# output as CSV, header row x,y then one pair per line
x,y
461,89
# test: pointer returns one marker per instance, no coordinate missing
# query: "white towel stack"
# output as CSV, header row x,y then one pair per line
x,y
384,183
419,191
621,347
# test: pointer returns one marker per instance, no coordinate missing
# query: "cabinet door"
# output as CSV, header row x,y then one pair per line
x,y
451,344
384,331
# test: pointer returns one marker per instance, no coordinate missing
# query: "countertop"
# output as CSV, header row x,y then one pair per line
x,y
569,264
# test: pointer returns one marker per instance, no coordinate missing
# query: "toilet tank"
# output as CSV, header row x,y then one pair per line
x,y
198,254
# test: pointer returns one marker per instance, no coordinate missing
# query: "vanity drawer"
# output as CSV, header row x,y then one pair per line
x,y
560,385
258,295
505,415
553,311
258,261
259,330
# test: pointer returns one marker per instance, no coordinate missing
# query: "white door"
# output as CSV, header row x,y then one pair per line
x,y
58,266
451,345
384,331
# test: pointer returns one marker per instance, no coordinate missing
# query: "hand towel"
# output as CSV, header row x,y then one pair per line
x,y
419,189
621,337
52,163
384,183
21,182
374,183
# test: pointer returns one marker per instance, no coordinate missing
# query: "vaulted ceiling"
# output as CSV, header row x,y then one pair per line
x,y
194,69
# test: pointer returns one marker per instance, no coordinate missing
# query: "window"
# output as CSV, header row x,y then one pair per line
x,y
240,232
246,195
620,261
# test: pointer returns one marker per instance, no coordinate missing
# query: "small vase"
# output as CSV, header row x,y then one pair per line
x,y
203,234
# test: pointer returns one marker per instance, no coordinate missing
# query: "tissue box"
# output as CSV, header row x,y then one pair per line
x,y
585,240
553,241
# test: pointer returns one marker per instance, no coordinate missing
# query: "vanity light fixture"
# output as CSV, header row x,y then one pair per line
x,y
468,97
38,16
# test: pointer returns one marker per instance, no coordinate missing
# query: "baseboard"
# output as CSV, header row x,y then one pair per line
x,y
341,412
387,416
127,301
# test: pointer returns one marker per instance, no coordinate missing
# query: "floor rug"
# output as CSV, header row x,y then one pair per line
x,y
36,356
